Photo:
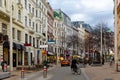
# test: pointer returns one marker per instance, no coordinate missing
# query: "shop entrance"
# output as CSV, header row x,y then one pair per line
x,y
14,59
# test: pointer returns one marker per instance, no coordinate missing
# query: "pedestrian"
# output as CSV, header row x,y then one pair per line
x,y
103,59
74,64
111,60
2,64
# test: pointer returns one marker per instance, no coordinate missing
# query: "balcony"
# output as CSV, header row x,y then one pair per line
x,y
20,6
30,15
18,22
31,30
38,6
38,19
38,35
4,14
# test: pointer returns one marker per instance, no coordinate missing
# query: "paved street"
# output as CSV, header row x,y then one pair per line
x,y
104,72
61,73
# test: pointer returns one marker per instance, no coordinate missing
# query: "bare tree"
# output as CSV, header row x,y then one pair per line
x,y
106,36
74,42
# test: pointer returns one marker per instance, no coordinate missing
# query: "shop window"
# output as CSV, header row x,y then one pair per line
x,y
19,58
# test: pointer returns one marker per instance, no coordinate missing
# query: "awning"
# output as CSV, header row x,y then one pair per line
x,y
15,45
50,53
18,46
23,47
7,45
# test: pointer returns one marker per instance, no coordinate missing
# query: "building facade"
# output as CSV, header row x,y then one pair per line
x,y
29,20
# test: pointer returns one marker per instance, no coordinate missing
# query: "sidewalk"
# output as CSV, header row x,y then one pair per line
x,y
104,72
16,74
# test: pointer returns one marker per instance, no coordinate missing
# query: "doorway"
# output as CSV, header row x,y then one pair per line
x,y
14,59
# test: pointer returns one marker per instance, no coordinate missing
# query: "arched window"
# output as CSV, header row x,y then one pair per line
x,y
19,15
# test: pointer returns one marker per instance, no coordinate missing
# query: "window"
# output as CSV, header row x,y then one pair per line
x,y
36,27
19,15
29,22
25,4
19,1
33,42
5,3
13,10
37,43
26,38
39,5
33,11
39,14
13,33
30,8
36,13
40,42
25,20
40,29
30,39
33,25
19,35
4,29
0,3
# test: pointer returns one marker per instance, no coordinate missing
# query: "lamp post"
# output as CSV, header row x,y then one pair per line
x,y
101,38
11,39
115,35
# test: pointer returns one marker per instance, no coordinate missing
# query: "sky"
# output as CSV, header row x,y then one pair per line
x,y
90,11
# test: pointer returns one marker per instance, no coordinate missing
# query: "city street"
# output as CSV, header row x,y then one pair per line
x,y
39,37
61,73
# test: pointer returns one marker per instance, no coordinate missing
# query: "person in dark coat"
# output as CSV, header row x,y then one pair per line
x,y
2,64
74,64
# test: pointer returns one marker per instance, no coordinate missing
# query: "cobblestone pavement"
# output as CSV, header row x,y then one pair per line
x,y
104,72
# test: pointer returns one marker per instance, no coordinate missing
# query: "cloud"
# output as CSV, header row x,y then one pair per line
x,y
90,11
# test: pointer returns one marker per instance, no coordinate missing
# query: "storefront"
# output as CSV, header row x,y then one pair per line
x,y
50,57
38,57
18,51
44,55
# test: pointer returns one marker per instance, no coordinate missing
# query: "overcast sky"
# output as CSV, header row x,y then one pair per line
x,y
90,11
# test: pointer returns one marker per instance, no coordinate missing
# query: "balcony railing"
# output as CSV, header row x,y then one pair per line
x,y
31,30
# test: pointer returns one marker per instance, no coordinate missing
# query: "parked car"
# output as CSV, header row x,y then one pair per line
x,y
65,63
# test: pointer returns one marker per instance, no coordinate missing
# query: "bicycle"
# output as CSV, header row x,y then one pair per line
x,y
76,70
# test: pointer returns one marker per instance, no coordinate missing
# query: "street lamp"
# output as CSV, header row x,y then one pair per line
x,y
115,35
101,38
11,39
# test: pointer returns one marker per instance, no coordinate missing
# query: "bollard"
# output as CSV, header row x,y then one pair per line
x,y
45,72
5,67
22,72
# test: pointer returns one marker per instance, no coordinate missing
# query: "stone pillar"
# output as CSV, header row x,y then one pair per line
x,y
29,57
